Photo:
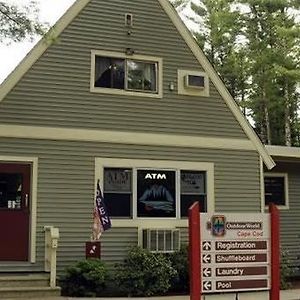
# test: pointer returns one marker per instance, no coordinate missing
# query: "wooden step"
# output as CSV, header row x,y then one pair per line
x,y
28,292
24,280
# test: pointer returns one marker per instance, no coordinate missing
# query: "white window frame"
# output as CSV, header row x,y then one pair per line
x,y
142,58
33,203
141,222
286,187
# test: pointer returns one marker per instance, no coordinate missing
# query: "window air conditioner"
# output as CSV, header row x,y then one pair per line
x,y
194,81
161,240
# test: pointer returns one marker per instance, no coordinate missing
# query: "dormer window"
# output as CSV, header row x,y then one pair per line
x,y
121,74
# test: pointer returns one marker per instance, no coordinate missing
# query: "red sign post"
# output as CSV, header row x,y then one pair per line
x,y
194,252
275,252
258,234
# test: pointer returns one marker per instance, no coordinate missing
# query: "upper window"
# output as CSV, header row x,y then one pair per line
x,y
121,74
276,189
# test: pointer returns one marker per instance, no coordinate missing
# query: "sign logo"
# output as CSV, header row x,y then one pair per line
x,y
155,176
218,225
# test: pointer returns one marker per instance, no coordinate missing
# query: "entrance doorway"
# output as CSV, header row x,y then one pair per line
x,y
15,181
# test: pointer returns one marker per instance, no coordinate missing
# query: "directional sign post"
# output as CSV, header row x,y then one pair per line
x,y
236,252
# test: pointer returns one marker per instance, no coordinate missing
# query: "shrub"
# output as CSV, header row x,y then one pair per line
x,y
286,272
85,278
179,260
144,273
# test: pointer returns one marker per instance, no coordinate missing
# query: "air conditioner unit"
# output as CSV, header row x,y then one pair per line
x,y
194,81
161,240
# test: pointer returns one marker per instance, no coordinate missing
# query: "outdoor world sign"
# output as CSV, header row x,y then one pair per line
x,y
235,252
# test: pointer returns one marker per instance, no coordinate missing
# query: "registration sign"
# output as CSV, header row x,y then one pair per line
x,y
235,252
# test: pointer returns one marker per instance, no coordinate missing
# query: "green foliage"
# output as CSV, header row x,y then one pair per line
x,y
179,261
255,47
144,273
87,278
286,272
18,23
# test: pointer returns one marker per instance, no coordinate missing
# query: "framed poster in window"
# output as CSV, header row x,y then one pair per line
x,y
156,193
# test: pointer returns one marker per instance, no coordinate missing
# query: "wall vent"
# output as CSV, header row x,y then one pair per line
x,y
161,240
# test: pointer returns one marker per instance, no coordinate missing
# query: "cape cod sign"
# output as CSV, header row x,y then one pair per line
x,y
234,252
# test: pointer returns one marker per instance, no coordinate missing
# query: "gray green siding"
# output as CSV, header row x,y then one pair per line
x,y
55,92
66,188
290,220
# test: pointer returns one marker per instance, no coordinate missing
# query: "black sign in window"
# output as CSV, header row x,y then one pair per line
x,y
275,190
118,192
193,188
156,193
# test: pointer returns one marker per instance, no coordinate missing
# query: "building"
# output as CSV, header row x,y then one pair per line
x,y
119,92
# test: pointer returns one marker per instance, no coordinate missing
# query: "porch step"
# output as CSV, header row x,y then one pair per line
x,y
26,280
26,286
28,292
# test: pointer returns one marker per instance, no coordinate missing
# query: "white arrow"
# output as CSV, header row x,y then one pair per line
x,y
207,272
207,285
206,258
206,246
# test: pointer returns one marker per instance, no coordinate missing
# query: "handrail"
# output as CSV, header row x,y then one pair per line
x,y
51,244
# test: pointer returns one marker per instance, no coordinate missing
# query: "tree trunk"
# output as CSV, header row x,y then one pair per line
x,y
287,118
266,119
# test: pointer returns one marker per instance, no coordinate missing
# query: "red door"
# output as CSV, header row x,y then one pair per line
x,y
14,211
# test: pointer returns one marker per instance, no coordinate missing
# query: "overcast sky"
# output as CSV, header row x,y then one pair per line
x,y
50,11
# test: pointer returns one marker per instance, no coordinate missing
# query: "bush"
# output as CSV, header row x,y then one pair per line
x,y
86,278
144,273
180,263
286,272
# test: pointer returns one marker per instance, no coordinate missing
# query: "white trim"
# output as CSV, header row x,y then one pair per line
x,y
159,80
286,188
284,151
204,62
119,137
262,185
33,212
101,163
183,90
40,48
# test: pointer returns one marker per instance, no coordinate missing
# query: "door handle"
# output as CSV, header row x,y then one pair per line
x,y
26,200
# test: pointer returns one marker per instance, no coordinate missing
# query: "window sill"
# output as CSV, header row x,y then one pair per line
x,y
109,91
149,222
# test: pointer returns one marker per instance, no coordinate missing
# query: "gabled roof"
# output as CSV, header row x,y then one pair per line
x,y
75,9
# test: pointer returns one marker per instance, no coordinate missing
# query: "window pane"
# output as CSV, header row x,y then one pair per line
x,y
109,72
192,182
118,205
118,191
156,193
10,190
193,188
117,180
187,200
274,190
141,76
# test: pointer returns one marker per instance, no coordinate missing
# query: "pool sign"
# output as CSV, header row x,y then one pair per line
x,y
235,252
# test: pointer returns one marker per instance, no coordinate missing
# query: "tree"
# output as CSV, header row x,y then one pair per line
x,y
219,29
19,23
272,40
254,46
